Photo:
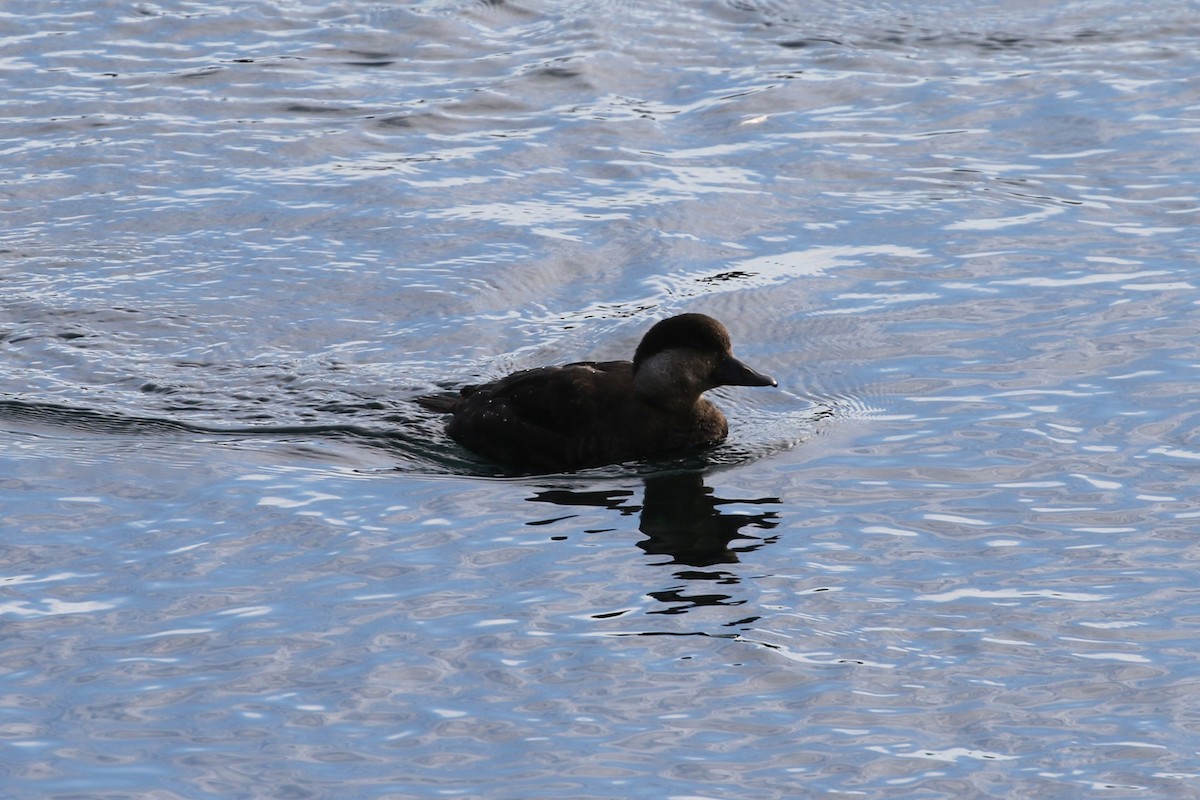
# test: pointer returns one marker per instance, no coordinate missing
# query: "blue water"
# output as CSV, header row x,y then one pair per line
x,y
953,555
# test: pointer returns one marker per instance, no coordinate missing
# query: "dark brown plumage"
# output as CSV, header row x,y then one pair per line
x,y
591,413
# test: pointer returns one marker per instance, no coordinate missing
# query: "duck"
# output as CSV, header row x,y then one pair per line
x,y
593,413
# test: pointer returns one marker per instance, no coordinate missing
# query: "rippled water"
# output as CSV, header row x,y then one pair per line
x,y
952,556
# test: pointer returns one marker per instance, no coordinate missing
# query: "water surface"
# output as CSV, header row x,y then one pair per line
x,y
952,556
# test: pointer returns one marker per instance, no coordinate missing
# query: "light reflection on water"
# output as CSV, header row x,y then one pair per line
x,y
949,557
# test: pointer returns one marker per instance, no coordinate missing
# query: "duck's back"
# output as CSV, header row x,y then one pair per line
x,y
575,416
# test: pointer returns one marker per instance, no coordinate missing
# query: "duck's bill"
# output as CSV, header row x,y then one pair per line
x,y
732,372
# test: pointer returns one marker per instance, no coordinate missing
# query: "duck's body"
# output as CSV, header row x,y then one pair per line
x,y
591,413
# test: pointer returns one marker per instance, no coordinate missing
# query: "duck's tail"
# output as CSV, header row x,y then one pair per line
x,y
440,403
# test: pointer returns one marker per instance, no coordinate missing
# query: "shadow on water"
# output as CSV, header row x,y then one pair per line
x,y
682,520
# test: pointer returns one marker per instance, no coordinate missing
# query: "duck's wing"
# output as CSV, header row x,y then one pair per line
x,y
552,418
535,391
570,400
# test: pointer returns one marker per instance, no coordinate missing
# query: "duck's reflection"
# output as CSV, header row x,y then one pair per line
x,y
681,519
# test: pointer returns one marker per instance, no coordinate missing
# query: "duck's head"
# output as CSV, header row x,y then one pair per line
x,y
682,357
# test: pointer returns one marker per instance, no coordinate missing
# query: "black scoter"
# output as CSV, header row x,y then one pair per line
x,y
585,414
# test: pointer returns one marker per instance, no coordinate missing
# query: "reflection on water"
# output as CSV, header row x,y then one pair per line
x,y
681,519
